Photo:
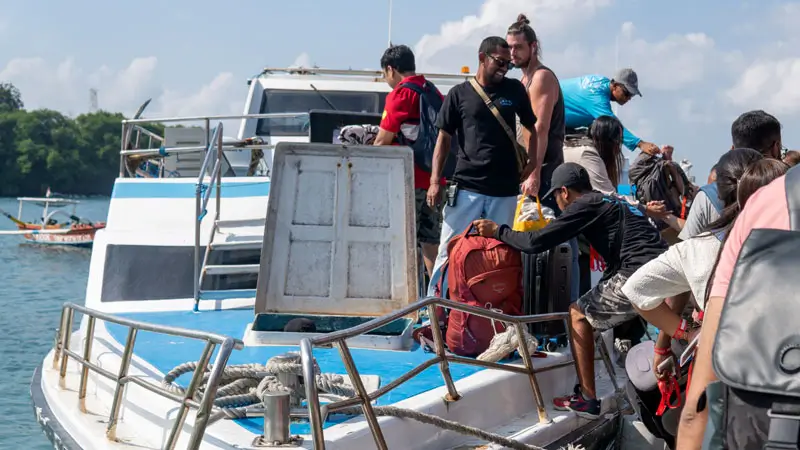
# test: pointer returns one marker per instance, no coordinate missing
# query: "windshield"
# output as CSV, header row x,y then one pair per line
x,y
283,101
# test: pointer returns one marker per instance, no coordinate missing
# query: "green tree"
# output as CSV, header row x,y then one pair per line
x,y
10,98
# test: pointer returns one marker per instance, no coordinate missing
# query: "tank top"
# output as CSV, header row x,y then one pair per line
x,y
554,155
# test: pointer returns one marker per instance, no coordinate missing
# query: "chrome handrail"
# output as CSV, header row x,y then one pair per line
x,y
227,117
62,353
214,156
317,413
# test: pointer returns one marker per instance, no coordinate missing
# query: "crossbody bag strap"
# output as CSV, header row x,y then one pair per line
x,y
489,104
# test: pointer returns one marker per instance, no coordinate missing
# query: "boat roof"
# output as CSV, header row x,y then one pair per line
x,y
64,201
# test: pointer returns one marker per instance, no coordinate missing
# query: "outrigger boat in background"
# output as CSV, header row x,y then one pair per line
x,y
77,232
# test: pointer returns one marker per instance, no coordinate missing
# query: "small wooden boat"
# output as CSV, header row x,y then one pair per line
x,y
76,232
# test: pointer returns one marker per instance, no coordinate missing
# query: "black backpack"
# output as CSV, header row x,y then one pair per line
x,y
429,105
647,175
756,354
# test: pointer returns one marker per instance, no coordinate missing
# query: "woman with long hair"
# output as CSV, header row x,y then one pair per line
x,y
603,158
687,267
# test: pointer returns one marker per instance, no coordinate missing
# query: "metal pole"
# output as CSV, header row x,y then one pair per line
x,y
61,327
62,373
197,378
116,404
122,148
207,405
87,356
312,397
276,417
197,221
366,404
444,365
526,358
220,156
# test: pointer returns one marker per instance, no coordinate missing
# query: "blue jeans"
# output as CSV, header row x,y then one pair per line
x,y
470,206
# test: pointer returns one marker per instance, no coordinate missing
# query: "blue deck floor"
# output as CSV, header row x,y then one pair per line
x,y
165,352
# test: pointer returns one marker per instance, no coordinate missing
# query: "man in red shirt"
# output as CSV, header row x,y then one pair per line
x,y
401,116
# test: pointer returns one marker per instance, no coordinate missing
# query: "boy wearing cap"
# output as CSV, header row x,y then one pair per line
x,y
625,239
589,97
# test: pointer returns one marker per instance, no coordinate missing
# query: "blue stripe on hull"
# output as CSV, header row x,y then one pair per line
x,y
160,189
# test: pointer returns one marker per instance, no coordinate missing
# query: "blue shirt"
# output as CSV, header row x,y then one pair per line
x,y
587,98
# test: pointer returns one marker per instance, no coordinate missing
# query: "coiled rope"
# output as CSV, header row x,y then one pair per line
x,y
242,386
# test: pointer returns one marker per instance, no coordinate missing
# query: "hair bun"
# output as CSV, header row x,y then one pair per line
x,y
523,19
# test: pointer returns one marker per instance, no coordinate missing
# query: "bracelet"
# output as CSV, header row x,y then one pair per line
x,y
665,351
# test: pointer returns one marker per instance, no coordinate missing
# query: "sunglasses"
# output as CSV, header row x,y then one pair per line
x,y
501,62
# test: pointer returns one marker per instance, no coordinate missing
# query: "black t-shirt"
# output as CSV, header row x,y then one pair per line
x,y
487,161
598,218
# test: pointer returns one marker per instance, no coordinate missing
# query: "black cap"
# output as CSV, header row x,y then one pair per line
x,y
568,175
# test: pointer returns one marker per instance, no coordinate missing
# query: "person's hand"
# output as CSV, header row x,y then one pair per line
x,y
657,360
649,148
667,152
486,228
530,186
434,195
656,209
527,171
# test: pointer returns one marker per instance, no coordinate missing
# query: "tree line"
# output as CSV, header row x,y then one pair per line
x,y
43,148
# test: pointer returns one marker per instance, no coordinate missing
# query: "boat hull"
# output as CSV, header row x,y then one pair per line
x,y
77,237
51,428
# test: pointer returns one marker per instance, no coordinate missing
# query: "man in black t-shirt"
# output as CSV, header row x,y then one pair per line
x,y
625,239
489,168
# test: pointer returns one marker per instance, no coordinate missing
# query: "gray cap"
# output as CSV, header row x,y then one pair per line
x,y
629,79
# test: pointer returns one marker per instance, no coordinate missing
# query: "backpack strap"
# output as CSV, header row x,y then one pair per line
x,y
420,90
713,196
520,153
784,426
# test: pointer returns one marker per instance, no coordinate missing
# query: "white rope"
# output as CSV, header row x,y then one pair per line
x,y
242,387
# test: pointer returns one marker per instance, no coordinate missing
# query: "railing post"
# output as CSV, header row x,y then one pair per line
x,y
444,365
123,144
65,335
197,221
526,358
366,404
61,327
124,365
207,405
87,356
220,156
197,378
312,396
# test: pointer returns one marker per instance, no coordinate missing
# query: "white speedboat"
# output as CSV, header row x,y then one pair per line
x,y
213,245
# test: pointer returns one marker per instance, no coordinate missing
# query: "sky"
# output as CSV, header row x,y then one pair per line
x,y
700,64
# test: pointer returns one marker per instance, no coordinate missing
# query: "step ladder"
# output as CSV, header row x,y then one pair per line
x,y
232,259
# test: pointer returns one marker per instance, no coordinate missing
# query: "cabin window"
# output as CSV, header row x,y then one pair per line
x,y
283,101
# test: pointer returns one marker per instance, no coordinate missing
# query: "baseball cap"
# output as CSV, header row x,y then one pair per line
x,y
569,174
629,79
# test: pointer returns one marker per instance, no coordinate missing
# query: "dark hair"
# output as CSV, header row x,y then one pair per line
x,y
792,157
713,168
606,134
742,172
757,130
400,58
523,26
491,43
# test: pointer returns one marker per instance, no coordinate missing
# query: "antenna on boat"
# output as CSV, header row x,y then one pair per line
x,y
390,23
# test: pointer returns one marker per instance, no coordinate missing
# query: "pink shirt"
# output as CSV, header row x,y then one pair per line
x,y
767,208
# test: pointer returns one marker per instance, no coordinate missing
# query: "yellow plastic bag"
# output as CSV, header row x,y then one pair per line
x,y
521,224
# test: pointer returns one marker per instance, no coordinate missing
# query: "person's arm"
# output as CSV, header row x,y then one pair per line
x,y
658,279
543,95
571,223
674,222
440,153
384,137
529,120
398,106
698,218
448,122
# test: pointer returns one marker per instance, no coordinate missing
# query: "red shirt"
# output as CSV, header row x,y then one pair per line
x,y
401,113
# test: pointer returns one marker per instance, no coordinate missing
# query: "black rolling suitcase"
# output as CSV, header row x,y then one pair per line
x,y
546,283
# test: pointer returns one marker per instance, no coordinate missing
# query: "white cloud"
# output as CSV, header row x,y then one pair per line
x,y
457,42
65,87
770,85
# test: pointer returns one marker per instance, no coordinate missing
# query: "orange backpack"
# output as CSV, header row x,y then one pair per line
x,y
481,272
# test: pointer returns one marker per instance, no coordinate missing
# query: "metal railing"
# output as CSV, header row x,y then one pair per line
x,y
317,414
202,195
130,126
204,408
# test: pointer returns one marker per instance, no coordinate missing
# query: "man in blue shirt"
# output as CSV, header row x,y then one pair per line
x,y
589,97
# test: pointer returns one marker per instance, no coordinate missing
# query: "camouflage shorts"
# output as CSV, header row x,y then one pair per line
x,y
605,306
429,220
